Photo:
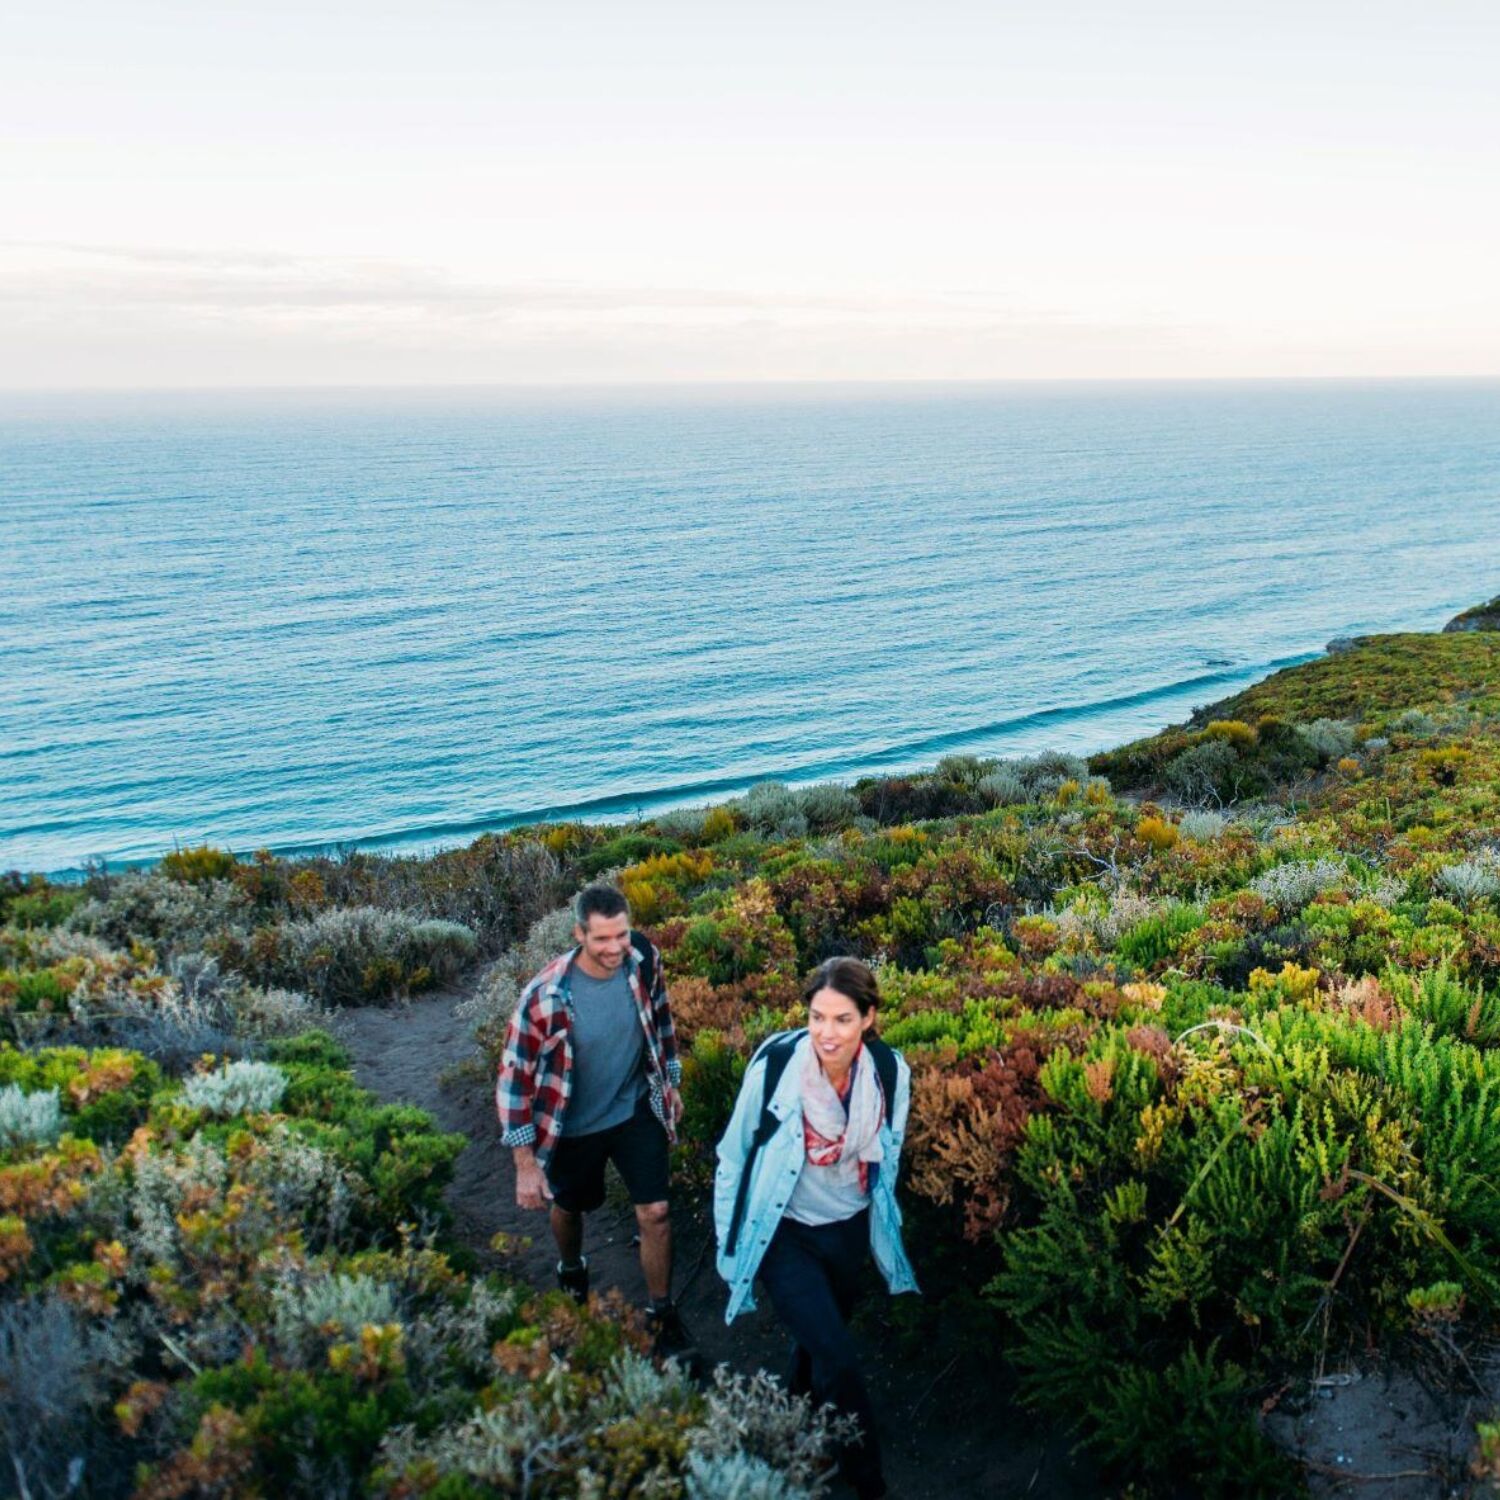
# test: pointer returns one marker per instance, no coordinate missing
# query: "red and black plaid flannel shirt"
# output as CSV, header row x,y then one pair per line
x,y
536,1067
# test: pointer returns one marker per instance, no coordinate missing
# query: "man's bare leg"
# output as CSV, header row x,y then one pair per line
x,y
655,1222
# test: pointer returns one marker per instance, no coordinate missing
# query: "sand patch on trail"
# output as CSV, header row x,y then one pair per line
x,y
945,1433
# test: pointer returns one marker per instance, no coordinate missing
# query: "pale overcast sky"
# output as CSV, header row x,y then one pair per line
x,y
388,192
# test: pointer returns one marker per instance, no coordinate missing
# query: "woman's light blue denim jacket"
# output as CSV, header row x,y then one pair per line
x,y
779,1165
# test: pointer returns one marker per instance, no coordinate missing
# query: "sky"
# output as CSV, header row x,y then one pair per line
x,y
474,191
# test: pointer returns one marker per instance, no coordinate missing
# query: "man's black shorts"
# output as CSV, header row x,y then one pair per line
x,y
638,1148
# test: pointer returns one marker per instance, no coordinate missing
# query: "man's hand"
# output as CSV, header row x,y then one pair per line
x,y
676,1108
531,1182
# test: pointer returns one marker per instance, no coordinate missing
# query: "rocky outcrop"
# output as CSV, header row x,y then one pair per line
x,y
1481,617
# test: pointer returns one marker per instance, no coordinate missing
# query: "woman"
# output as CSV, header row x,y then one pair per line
x,y
806,1187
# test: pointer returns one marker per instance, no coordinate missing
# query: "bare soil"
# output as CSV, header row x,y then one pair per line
x,y
948,1427
1397,1431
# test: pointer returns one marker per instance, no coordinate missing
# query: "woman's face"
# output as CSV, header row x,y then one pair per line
x,y
836,1027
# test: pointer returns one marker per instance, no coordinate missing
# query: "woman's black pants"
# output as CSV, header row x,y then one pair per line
x,y
811,1273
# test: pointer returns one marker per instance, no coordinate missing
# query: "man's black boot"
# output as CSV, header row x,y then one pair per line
x,y
574,1280
669,1335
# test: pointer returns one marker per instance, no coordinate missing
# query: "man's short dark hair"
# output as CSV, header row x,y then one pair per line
x,y
598,901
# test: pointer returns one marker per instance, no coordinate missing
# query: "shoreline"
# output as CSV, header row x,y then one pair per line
x,y
1112,717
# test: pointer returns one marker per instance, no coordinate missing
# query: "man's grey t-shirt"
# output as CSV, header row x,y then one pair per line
x,y
609,1053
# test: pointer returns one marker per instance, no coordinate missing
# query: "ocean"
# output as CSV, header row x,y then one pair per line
x,y
398,619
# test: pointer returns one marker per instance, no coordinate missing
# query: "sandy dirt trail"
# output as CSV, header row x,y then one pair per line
x,y
942,1434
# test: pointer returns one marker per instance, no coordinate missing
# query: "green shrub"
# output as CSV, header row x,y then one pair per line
x,y
1208,772
1153,940
33,901
199,865
624,849
711,1074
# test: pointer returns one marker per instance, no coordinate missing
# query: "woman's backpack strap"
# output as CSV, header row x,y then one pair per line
x,y
776,1051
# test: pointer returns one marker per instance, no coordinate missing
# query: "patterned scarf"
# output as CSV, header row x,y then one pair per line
x,y
847,1142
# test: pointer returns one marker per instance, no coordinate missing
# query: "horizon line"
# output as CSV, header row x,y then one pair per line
x,y
755,382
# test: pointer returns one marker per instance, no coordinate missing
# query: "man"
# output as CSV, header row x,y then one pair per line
x,y
590,1075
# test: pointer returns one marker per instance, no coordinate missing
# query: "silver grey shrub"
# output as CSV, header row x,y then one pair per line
x,y
51,1365
29,1119
272,1012
173,915
967,770
826,805
1002,787
1416,723
305,1313
738,1476
1006,783
1202,826
1290,887
494,998
756,1416
774,810
307,1185
331,954
1044,773
1471,880
749,1434
238,1088
684,823
1328,739
1096,922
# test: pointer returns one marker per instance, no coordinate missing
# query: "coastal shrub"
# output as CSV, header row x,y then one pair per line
x,y
711,1074
33,901
633,1429
1471,880
1156,832
774,810
1451,1007
52,1364
496,886
363,954
493,1002
745,942
1416,723
238,1088
1328,739
657,886
308,1313
1201,825
827,806
1233,732
198,865
963,769
1154,940
1043,774
29,1119
621,850
1289,887
172,915
1204,773
685,825
1002,787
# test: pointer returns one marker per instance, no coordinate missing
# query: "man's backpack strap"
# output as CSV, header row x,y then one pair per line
x,y
645,957
776,1051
